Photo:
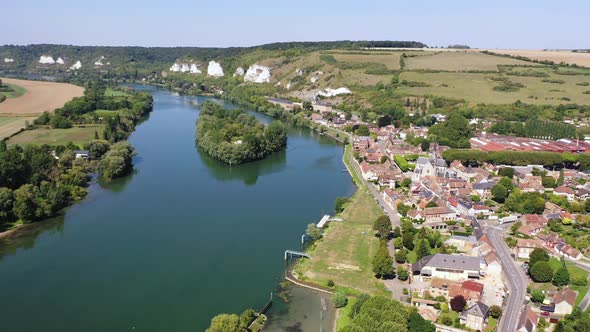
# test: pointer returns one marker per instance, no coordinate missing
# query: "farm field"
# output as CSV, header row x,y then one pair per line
x,y
12,124
16,90
459,61
580,59
479,88
76,135
39,96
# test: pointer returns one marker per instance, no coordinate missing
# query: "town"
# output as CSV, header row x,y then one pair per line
x,y
498,263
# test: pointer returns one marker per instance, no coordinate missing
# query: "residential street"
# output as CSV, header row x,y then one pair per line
x,y
516,281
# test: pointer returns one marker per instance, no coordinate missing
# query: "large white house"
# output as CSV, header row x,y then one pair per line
x,y
451,267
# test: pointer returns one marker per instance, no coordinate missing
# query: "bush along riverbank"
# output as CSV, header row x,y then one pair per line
x,y
234,137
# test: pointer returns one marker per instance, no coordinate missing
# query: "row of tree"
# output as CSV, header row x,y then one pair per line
x,y
234,137
519,158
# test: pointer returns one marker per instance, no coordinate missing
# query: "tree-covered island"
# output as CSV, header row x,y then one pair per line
x,y
234,137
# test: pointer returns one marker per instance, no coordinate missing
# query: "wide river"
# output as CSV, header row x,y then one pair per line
x,y
182,239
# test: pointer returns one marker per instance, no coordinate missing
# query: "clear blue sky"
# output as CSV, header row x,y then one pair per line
x,y
532,24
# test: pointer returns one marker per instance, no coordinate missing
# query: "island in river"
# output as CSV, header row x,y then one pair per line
x,y
235,137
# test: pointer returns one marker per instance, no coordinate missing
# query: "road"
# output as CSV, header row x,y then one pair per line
x,y
516,281
391,213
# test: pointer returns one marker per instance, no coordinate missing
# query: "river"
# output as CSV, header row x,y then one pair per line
x,y
180,240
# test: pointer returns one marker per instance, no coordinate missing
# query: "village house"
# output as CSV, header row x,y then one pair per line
x,y
438,214
452,267
471,290
524,247
484,188
530,229
82,154
531,183
440,287
493,265
564,301
564,249
528,321
283,103
476,316
462,243
567,192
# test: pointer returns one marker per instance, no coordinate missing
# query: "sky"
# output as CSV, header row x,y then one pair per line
x,y
521,24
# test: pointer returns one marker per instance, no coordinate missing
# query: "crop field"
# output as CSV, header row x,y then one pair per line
x,y
76,135
39,96
391,60
15,90
459,61
12,124
580,59
479,88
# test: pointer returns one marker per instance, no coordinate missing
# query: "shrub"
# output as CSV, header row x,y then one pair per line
x,y
537,296
495,311
458,303
331,283
541,272
340,300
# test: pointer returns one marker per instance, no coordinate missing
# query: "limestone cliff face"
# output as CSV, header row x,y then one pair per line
x,y
8,60
59,61
76,65
257,74
239,72
334,92
185,67
99,61
194,69
214,69
46,60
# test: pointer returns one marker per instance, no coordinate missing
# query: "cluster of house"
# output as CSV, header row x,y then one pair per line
x,y
475,274
534,229
559,304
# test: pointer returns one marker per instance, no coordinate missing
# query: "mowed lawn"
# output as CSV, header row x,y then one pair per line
x,y
479,88
459,61
12,124
16,90
345,252
76,135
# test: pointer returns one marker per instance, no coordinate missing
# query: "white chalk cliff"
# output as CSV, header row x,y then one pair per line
x,y
46,60
257,74
7,60
60,61
334,92
214,69
195,69
76,65
239,72
99,61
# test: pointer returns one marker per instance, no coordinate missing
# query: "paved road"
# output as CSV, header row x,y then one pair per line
x,y
391,213
516,281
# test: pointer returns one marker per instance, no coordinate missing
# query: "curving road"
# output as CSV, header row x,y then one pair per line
x,y
516,281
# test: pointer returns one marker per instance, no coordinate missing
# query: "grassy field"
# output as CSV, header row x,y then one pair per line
x,y
345,252
459,61
117,93
479,88
391,60
12,124
575,272
16,90
76,135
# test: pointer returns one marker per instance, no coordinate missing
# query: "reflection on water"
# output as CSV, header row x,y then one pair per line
x,y
247,173
25,236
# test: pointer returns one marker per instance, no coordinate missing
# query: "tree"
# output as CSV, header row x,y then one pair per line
x,y
246,318
225,323
408,240
401,255
339,299
313,232
423,249
418,324
538,255
541,272
382,225
397,232
339,203
363,130
537,296
402,274
356,306
507,183
562,275
403,209
458,303
431,204
495,311
425,145
6,203
382,262
25,204
506,172
499,193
